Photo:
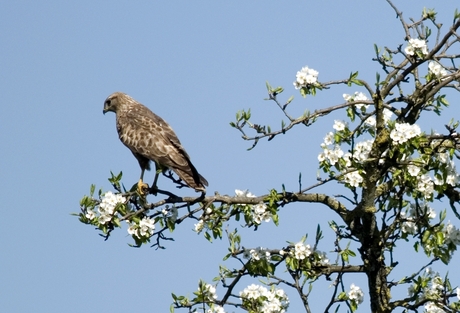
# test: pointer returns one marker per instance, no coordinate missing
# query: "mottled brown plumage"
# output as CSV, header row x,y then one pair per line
x,y
150,138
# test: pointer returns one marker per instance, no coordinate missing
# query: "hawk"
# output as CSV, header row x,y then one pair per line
x,y
150,138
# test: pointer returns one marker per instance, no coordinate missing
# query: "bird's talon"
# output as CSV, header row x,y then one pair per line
x,y
142,187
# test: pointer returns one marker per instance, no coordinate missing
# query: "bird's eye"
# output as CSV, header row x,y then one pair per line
x,y
107,102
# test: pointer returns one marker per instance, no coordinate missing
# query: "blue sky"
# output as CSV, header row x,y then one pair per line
x,y
193,63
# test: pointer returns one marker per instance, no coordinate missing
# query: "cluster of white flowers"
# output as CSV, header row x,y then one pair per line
x,y
209,291
260,213
145,228
432,290
413,170
256,254
107,207
332,155
339,125
301,251
361,150
268,301
199,226
431,307
357,96
410,217
425,185
452,234
387,114
416,45
403,132
356,294
306,76
436,69
354,179
244,193
216,309
452,177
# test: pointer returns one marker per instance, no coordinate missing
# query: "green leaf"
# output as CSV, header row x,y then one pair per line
x,y
376,49
342,296
439,238
208,236
303,92
443,100
269,88
278,90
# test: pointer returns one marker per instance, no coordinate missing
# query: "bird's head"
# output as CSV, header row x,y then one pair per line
x,y
113,102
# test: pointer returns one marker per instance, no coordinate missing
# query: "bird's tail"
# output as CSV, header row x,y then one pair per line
x,y
192,178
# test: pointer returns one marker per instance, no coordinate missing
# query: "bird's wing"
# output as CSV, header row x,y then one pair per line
x,y
147,134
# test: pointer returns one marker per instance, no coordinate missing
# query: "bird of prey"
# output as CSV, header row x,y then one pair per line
x,y
150,138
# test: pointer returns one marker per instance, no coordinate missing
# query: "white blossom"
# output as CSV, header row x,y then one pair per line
x,y
90,214
370,121
244,193
210,291
199,226
443,157
423,209
261,213
339,125
107,206
251,292
132,228
425,185
306,76
356,294
354,179
104,218
413,170
347,158
301,251
358,96
256,254
362,149
437,69
387,114
329,138
416,45
452,234
403,132
409,227
415,212
216,309
146,227
431,307
267,301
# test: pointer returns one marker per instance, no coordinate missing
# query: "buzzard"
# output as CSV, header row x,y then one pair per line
x,y
150,138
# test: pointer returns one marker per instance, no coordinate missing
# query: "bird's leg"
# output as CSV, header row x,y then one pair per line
x,y
154,187
141,186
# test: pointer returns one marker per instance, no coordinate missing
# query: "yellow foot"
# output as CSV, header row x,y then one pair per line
x,y
142,188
